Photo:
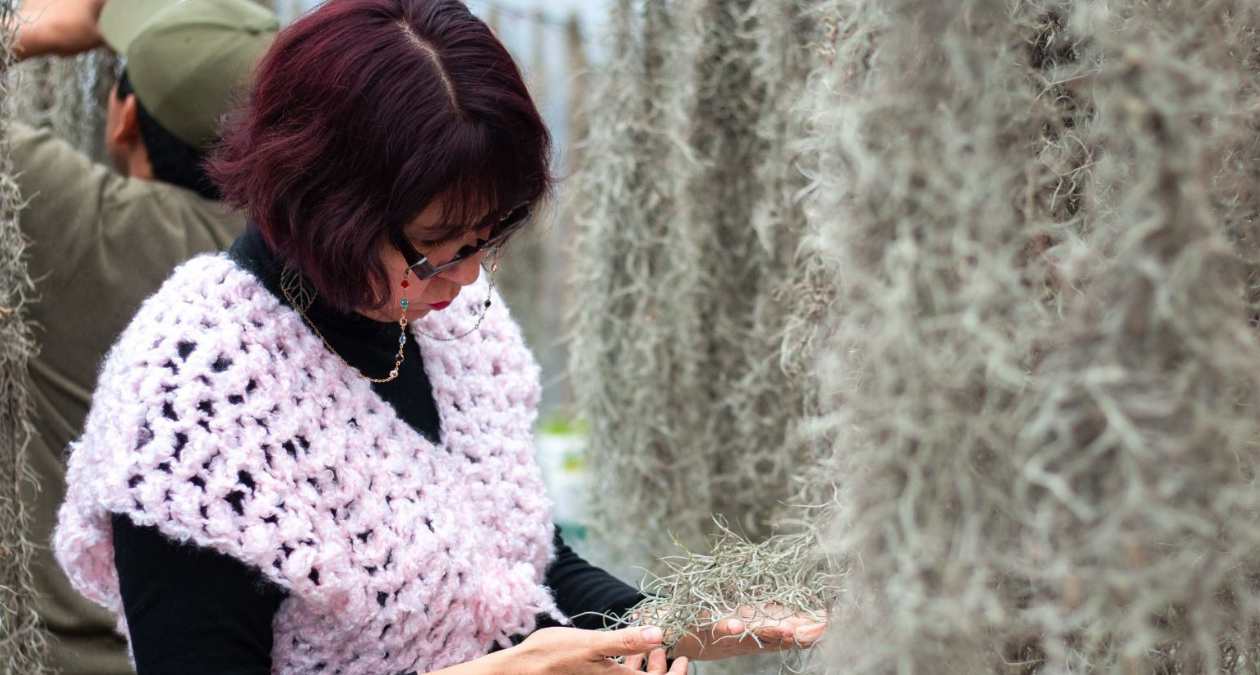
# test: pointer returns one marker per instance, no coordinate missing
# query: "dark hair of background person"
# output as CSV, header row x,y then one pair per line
x,y
173,160
362,114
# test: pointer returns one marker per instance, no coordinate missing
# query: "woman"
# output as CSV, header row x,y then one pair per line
x,y
314,454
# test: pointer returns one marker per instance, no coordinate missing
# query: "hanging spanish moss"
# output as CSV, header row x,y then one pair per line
x,y
774,393
1046,377
1042,383
634,278
23,647
69,96
689,254
929,126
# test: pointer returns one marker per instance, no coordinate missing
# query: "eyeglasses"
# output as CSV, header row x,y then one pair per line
x,y
506,226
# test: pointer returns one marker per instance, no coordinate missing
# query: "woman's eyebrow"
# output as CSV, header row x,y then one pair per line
x,y
428,234
431,240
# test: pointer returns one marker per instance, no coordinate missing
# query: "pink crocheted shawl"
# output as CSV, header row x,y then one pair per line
x,y
221,418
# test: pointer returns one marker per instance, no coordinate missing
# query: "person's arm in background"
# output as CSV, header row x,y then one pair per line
x,y
56,27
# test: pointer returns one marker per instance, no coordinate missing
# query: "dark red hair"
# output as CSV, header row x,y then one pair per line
x,y
365,111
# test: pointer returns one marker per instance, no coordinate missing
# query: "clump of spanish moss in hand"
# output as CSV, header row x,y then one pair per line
x,y
761,584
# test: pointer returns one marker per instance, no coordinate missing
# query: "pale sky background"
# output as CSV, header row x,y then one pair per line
x,y
591,11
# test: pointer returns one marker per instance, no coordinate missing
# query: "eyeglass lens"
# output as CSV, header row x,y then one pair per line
x,y
501,231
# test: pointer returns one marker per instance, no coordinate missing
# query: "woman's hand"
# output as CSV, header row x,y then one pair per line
x,y
565,651
774,628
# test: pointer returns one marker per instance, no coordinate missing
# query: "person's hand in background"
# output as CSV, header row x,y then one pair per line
x,y
56,27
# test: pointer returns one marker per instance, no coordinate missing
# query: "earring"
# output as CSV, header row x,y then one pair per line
x,y
295,289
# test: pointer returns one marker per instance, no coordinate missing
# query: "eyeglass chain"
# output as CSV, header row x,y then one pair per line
x,y
293,287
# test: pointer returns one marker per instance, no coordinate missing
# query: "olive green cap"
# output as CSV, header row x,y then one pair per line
x,y
188,61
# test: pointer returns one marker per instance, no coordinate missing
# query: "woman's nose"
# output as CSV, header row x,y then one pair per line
x,y
466,272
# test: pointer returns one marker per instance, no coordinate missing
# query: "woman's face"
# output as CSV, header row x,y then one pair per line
x,y
430,295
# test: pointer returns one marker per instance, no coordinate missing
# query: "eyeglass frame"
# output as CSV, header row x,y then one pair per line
x,y
423,269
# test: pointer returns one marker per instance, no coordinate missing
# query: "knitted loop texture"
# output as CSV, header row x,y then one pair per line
x,y
220,418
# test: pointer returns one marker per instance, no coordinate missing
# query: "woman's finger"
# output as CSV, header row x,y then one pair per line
x,y
679,667
773,637
656,662
627,641
635,662
806,636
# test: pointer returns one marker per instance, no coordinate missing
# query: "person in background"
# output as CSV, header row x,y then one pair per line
x,y
101,239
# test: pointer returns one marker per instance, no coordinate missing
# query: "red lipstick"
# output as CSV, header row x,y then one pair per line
x,y
440,305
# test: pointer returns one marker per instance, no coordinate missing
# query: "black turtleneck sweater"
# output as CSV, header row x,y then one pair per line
x,y
196,611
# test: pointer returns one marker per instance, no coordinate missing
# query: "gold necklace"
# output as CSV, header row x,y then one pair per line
x,y
291,284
